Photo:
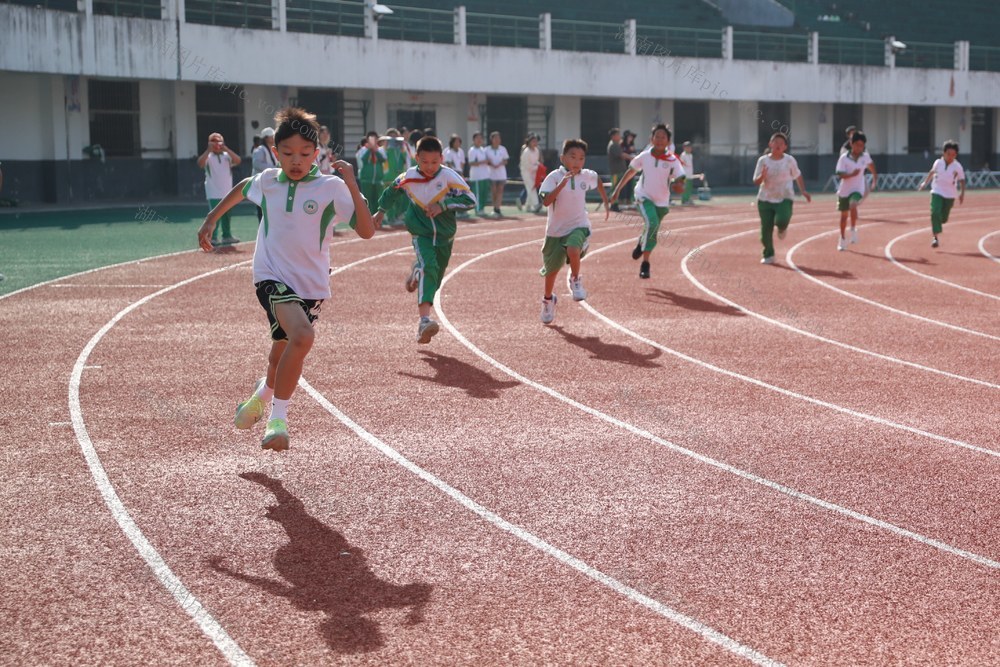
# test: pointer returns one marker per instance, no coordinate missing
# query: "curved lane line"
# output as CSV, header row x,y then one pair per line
x,y
871,302
563,557
749,476
888,254
185,598
809,334
982,246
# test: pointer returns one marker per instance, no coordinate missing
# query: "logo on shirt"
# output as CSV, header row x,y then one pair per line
x,y
583,186
310,206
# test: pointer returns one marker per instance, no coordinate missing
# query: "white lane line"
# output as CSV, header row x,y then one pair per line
x,y
799,495
871,302
982,246
809,334
546,548
188,602
888,254
108,286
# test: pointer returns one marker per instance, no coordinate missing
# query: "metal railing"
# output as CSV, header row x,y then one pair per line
x,y
58,5
145,9
925,54
770,46
326,17
418,25
684,42
570,35
851,51
253,14
497,30
984,58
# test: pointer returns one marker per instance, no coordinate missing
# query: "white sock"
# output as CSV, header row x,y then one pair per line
x,y
279,408
265,393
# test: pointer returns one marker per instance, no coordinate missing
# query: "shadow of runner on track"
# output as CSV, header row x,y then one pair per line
x,y
690,302
901,260
323,572
452,372
821,273
609,351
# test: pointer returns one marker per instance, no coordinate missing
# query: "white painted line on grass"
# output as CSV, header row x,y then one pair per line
x,y
788,491
563,557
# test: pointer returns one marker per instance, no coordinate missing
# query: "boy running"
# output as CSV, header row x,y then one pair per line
x,y
427,197
564,192
291,263
775,173
947,177
851,171
659,168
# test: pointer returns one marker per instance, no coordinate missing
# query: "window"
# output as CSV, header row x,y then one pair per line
x,y
414,118
328,105
114,117
597,116
509,117
920,130
981,150
844,115
219,110
146,9
690,123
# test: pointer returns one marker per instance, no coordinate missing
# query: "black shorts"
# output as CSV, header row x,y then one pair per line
x,y
271,292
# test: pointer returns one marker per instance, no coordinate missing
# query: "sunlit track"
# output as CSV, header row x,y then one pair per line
x,y
982,246
767,483
888,254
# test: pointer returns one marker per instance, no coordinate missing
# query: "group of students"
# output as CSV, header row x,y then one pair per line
x,y
301,205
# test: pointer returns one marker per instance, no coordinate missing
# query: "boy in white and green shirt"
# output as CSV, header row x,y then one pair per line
x,y
851,167
218,162
427,197
564,192
947,176
775,173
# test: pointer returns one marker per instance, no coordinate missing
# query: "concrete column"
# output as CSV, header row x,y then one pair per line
x,y
279,15
630,37
545,32
461,35
371,25
890,55
727,43
814,48
962,56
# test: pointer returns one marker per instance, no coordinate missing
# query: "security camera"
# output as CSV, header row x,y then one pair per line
x,y
897,46
378,11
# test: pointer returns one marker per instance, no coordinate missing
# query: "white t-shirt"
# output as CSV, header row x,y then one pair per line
x,y
324,160
781,174
293,238
655,176
480,172
496,156
454,158
847,164
218,175
569,210
946,178
530,157
687,159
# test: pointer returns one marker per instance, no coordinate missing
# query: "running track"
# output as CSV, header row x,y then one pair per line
x,y
729,463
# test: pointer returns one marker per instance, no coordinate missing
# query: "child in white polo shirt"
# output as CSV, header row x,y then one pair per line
x,y
564,192
948,178
851,171
427,197
291,263
479,172
497,157
775,173
218,162
659,168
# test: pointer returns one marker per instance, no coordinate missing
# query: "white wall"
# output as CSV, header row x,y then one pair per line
x,y
805,127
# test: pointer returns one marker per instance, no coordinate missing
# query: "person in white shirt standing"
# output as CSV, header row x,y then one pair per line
x,y
263,158
497,157
479,172
567,229
218,162
851,169
530,158
660,169
948,178
775,173
291,262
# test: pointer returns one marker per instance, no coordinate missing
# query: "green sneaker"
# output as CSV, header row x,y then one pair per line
x,y
250,411
275,436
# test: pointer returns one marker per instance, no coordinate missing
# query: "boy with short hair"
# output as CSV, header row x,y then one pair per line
x,y
564,192
775,173
427,197
851,191
218,162
660,168
372,162
947,176
291,263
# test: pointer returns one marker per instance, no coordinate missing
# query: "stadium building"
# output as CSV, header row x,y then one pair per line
x,y
114,100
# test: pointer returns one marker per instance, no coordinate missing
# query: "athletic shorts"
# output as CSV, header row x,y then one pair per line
x,y
554,251
844,203
271,292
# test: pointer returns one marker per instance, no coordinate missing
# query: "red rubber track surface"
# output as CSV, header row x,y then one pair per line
x,y
683,447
